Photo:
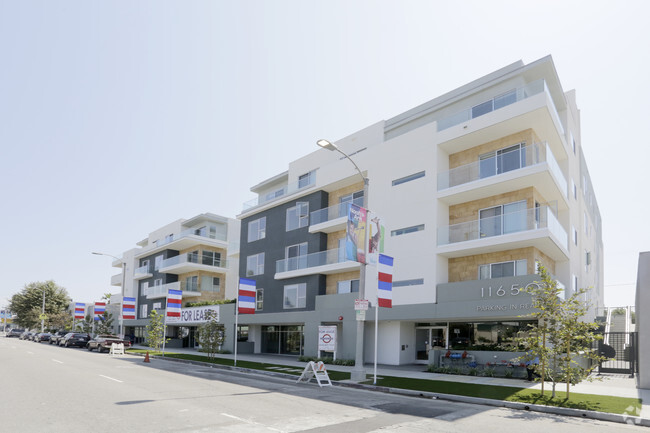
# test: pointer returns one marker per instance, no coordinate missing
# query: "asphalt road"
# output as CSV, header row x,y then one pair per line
x,y
45,388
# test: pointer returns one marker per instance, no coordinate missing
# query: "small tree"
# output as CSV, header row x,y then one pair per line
x,y
105,324
86,325
155,330
212,334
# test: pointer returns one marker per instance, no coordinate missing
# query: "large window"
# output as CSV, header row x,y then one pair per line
x,y
211,258
347,286
344,200
298,216
257,229
502,161
295,296
210,283
503,269
503,219
296,256
192,284
158,262
255,264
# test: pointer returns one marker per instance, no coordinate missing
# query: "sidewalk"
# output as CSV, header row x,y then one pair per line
x,y
611,384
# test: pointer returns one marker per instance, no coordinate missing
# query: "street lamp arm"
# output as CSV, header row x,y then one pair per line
x,y
325,144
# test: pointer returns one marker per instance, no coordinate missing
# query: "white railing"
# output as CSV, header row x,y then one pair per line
x,y
496,103
281,192
513,222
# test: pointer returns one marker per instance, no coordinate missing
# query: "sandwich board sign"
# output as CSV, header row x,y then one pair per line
x,y
315,370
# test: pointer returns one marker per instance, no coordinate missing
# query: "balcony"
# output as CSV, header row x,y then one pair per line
x,y
155,292
116,280
190,262
142,272
530,106
331,219
292,188
533,165
187,239
537,227
322,262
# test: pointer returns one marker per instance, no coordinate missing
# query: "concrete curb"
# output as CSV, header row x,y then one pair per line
x,y
589,414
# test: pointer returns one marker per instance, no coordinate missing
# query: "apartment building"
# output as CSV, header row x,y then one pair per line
x,y
198,256
475,188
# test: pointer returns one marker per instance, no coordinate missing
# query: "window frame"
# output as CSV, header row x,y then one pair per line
x,y
255,227
298,213
257,266
300,296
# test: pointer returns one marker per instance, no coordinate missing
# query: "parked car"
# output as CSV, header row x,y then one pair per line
x,y
42,336
54,338
15,333
103,343
27,335
75,339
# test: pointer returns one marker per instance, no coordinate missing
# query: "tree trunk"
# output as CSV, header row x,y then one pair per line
x,y
543,360
568,369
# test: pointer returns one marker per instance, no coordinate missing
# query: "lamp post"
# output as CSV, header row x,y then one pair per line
x,y
123,280
358,373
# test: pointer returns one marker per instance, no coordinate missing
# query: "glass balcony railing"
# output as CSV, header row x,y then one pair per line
x,y
304,182
194,289
142,270
204,232
513,222
193,258
311,260
496,103
333,212
503,161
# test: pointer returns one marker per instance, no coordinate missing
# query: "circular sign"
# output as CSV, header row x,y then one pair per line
x,y
326,338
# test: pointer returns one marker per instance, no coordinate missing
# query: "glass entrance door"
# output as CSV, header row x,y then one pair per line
x,y
427,338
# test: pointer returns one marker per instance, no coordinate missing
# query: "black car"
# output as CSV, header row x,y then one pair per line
x,y
54,338
75,339
42,336
15,332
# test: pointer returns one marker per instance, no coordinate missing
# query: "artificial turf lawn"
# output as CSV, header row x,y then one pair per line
x,y
600,403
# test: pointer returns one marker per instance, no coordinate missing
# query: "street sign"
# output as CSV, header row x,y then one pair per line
x,y
42,317
327,338
361,304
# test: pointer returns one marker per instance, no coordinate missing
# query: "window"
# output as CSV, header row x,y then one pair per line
x,y
169,238
354,198
408,178
193,257
575,235
157,282
503,269
298,216
255,264
296,256
405,283
502,160
306,179
210,284
347,286
145,263
211,258
575,283
274,194
503,219
586,224
156,306
158,262
259,299
575,189
257,229
192,284
145,288
294,296
406,230
143,311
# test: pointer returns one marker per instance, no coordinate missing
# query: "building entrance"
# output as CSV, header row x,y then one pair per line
x,y
426,338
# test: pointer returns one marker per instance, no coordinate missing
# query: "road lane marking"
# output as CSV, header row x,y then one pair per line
x,y
56,360
110,378
248,421
31,353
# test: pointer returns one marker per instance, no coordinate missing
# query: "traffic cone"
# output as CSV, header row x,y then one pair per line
x,y
146,357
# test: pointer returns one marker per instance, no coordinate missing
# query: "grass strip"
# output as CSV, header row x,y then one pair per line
x,y
599,403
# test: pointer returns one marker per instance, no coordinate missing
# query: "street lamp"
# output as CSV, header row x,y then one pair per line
x,y
123,280
358,373
43,313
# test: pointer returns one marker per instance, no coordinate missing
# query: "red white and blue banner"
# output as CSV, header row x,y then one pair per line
x,y
100,308
79,310
174,301
385,277
246,297
128,308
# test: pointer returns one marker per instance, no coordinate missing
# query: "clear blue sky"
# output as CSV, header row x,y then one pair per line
x,y
120,117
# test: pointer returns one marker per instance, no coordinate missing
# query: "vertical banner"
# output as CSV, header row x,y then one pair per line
x,y
128,308
79,310
356,234
376,240
100,308
385,277
174,301
246,296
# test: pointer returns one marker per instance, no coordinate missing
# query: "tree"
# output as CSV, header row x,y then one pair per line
x,y
28,303
105,324
212,334
559,335
155,330
87,324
